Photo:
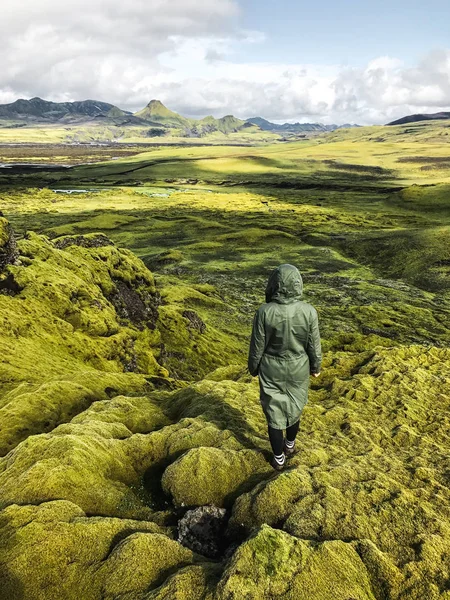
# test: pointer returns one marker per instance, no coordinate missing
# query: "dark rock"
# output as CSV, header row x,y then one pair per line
x,y
137,305
96,241
392,335
9,286
195,322
166,354
9,254
203,530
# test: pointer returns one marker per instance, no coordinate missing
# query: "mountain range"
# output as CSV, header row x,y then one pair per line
x,y
162,121
155,115
294,127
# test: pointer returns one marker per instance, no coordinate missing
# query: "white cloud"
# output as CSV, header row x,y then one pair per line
x,y
191,55
386,89
98,48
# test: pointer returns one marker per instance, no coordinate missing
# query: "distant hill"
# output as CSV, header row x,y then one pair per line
x,y
44,111
419,117
227,124
294,127
156,112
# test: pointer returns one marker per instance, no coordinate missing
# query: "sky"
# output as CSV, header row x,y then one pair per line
x,y
327,61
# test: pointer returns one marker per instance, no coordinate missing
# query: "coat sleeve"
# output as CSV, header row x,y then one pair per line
x,y
257,343
314,349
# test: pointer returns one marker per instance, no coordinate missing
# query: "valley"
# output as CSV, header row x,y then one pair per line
x,y
125,314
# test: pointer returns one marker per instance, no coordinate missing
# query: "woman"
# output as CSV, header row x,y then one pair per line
x,y
284,350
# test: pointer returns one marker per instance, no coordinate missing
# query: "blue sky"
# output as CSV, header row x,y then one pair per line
x,y
325,61
346,31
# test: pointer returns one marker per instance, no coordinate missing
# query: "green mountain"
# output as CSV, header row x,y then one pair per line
x,y
295,127
156,112
227,124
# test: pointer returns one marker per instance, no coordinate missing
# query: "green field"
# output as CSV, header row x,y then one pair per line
x,y
103,133
123,386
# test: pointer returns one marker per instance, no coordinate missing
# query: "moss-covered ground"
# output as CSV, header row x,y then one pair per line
x,y
125,315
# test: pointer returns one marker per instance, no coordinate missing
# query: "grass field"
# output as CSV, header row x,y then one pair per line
x,y
170,420
101,133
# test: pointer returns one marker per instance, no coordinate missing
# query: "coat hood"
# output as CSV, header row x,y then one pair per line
x,y
285,285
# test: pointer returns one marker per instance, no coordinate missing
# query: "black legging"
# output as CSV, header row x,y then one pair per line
x,y
276,437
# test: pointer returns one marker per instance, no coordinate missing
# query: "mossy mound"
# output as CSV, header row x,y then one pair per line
x,y
92,315
64,341
231,405
213,476
55,551
273,564
110,457
37,408
65,313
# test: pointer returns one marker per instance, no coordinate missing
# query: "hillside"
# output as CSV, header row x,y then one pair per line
x,y
39,121
421,117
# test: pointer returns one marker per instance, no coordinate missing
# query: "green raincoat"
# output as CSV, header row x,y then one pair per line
x,y
285,348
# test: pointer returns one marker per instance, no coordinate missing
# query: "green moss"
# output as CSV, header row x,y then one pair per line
x,y
188,352
127,571
77,554
213,476
196,582
4,231
271,501
65,316
103,459
231,405
33,409
104,222
273,564
139,415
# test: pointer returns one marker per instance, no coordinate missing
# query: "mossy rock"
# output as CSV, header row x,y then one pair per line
x,y
140,561
138,414
55,551
30,409
213,476
194,582
64,316
231,405
103,459
273,564
271,501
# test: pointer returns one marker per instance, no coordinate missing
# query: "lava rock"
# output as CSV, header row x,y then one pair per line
x,y
202,530
9,254
85,241
195,322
